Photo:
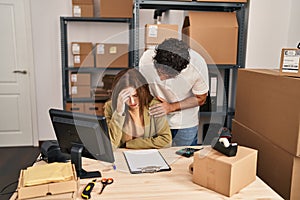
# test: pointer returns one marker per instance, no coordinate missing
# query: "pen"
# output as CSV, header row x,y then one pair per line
x,y
114,166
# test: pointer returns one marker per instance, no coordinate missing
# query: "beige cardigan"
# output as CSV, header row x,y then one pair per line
x,y
157,132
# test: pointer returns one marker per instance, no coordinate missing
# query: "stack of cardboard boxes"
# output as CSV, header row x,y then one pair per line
x,y
267,118
82,54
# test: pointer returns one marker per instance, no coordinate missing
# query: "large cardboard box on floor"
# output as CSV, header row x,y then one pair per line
x,y
111,55
116,8
275,166
225,175
270,105
157,33
212,34
290,62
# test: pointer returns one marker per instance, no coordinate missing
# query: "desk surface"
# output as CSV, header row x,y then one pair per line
x,y
174,184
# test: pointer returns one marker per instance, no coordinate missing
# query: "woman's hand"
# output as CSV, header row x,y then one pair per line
x,y
122,98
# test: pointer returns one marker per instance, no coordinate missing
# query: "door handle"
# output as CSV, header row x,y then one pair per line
x,y
20,71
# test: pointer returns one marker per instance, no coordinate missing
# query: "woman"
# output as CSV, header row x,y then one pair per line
x,y
127,114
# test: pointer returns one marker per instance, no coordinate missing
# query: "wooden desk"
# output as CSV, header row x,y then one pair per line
x,y
174,184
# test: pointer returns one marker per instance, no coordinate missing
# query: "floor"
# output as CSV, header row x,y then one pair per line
x,y
12,160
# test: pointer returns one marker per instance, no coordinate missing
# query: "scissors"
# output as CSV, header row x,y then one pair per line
x,y
105,182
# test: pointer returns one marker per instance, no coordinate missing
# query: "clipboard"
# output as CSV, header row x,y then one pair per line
x,y
145,161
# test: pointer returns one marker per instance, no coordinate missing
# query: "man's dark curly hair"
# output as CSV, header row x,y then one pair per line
x,y
172,56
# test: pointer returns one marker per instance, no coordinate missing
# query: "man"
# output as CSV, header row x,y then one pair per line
x,y
178,77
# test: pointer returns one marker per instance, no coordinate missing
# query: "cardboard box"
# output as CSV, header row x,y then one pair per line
x,y
116,8
270,105
82,10
94,108
80,92
45,189
81,48
275,166
225,175
111,55
83,60
290,62
214,35
75,107
157,33
80,79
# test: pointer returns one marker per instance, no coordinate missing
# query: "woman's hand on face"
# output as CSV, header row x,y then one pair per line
x,y
122,98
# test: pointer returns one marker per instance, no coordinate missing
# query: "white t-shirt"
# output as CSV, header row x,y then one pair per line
x,y
191,81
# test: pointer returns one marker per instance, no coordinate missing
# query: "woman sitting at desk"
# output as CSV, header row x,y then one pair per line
x,y
130,125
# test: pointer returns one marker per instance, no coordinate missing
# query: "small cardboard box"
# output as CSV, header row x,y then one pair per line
x,y
214,35
81,48
94,108
116,8
80,79
83,60
157,33
225,175
80,92
275,166
269,104
112,55
45,189
75,107
290,62
83,10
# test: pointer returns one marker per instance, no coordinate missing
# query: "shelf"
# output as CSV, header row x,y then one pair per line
x,y
79,100
96,19
210,66
191,5
91,69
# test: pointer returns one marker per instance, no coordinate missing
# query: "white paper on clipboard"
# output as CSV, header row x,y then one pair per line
x,y
148,160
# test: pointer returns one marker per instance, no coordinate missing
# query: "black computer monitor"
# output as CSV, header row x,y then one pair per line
x,y
81,134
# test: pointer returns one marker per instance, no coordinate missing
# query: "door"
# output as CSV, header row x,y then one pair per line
x,y
16,127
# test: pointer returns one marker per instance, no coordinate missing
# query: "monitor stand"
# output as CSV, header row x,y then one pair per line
x,y
76,159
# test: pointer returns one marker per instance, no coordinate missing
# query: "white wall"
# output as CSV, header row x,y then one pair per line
x,y
268,32
272,26
47,59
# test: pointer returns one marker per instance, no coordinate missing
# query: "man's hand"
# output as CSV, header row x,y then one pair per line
x,y
160,109
165,108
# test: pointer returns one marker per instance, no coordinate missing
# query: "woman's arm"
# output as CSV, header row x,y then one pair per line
x,y
115,123
159,133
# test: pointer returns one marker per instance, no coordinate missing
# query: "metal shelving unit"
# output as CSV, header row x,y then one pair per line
x,y
230,71
66,68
